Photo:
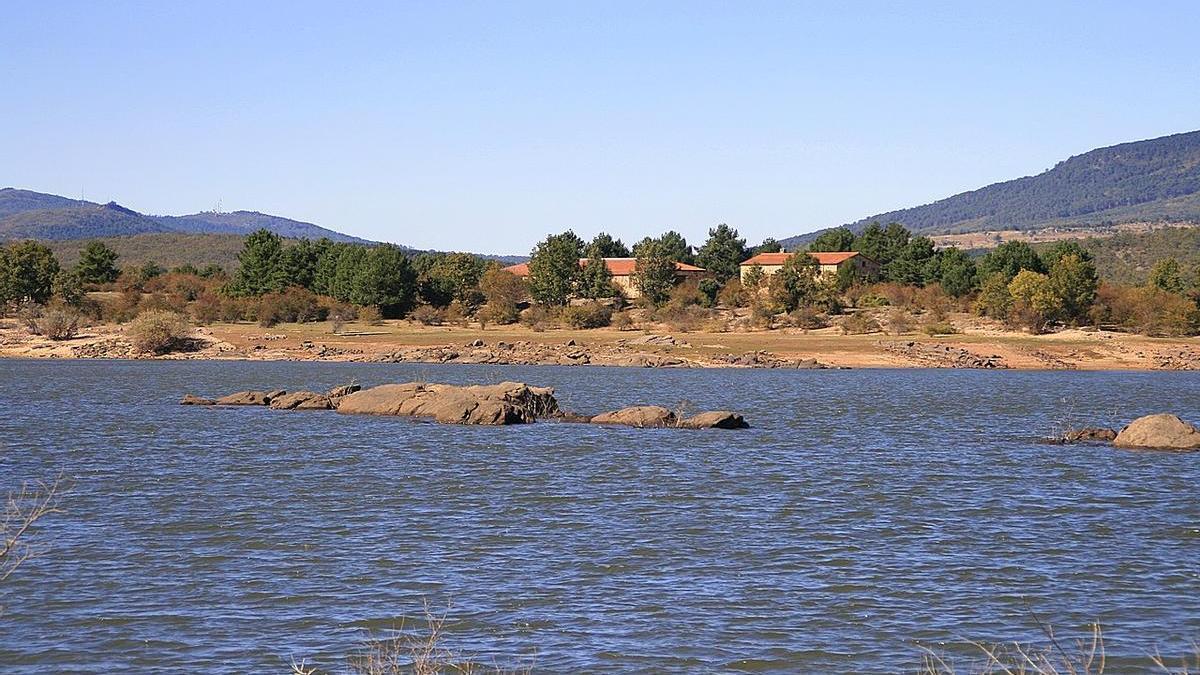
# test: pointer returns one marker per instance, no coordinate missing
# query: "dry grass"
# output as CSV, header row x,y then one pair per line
x,y
411,652
1084,656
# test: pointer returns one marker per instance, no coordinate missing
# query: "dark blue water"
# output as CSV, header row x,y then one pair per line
x,y
866,513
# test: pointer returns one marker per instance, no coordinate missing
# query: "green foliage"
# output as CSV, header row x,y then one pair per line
x,y
908,267
994,299
954,270
710,288
1010,258
68,288
654,272
1035,303
97,264
27,273
595,280
385,280
1073,281
260,259
754,279
723,253
1062,248
554,269
672,245
503,291
590,315
604,246
883,245
158,331
1167,275
795,284
836,239
769,245
443,278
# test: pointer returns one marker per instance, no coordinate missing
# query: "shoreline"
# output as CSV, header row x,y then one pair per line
x,y
406,342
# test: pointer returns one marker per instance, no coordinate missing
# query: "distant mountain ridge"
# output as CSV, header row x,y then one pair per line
x,y
25,214
1150,180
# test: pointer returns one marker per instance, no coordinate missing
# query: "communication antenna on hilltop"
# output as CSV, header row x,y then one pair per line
x,y
81,199
217,209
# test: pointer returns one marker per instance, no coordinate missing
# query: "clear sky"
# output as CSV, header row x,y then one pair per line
x,y
484,126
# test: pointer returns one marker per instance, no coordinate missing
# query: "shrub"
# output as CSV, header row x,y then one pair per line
x,y
57,323
683,319
622,321
370,315
159,332
899,322
733,294
207,309
860,323
428,315
590,315
292,305
939,328
498,312
536,318
808,318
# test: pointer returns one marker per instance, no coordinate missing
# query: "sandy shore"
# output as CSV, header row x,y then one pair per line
x,y
402,341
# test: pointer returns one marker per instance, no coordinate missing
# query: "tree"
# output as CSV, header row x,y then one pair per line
x,y
1010,258
908,267
769,245
954,270
795,283
386,280
1167,275
595,280
754,279
97,264
1061,248
674,246
297,264
994,299
654,272
1035,303
554,270
1074,281
344,284
68,288
606,247
31,272
837,239
503,291
260,260
445,277
723,253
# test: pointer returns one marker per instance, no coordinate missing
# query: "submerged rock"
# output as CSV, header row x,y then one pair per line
x,y
499,404
301,400
1159,432
192,399
248,398
641,416
1089,435
715,419
344,390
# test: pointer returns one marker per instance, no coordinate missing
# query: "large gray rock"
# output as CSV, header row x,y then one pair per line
x,y
498,404
641,416
301,400
1159,432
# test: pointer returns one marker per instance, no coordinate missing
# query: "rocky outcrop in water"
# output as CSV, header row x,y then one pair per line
x,y
1159,432
1084,435
493,405
498,404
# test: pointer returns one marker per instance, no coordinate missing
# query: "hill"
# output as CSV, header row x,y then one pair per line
x,y
169,249
25,214
1151,180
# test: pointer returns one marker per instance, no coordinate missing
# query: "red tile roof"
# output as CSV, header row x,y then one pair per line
x,y
823,257
618,267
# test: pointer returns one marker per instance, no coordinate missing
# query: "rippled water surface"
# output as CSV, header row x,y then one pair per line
x,y
866,513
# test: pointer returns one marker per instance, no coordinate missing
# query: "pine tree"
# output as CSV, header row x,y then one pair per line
x,y
97,264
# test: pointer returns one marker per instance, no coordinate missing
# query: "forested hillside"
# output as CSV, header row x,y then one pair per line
x,y
1150,180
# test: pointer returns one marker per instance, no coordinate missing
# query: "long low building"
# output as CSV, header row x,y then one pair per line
x,y
622,270
830,261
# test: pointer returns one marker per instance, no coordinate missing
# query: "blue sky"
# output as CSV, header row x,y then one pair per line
x,y
484,126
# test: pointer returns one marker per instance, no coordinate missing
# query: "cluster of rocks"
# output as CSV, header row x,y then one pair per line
x,y
765,359
1177,359
497,404
1153,432
527,353
939,355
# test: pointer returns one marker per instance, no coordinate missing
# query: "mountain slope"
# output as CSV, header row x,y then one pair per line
x,y
1157,179
25,214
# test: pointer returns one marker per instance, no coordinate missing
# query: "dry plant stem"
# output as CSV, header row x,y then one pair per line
x,y
23,509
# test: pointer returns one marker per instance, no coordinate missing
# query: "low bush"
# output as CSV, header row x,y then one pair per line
x,y
590,315
860,323
622,321
939,328
292,305
370,315
159,332
428,315
807,318
57,323
537,318
502,313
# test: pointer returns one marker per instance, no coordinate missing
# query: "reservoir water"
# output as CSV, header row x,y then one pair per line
x,y
865,514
